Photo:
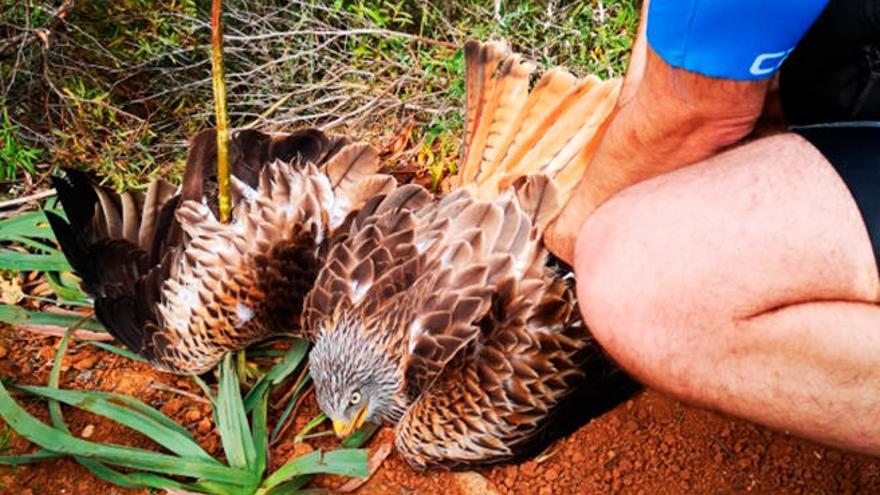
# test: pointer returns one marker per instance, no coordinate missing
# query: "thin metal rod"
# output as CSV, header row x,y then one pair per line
x,y
220,109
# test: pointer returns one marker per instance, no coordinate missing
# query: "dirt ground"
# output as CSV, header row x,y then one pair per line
x,y
646,445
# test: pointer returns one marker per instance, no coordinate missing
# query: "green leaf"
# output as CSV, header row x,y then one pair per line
x,y
55,377
260,433
31,224
361,436
142,408
345,462
205,388
14,260
238,443
311,425
171,439
15,315
290,362
64,443
129,480
27,229
291,403
117,350
66,286
40,455
292,487
99,469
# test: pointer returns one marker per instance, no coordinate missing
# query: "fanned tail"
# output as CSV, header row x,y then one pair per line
x,y
511,132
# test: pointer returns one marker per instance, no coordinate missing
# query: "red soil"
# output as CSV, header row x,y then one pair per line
x,y
647,445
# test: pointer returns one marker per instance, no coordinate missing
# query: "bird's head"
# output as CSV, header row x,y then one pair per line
x,y
355,381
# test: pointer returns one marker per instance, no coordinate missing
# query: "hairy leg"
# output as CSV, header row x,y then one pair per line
x,y
745,283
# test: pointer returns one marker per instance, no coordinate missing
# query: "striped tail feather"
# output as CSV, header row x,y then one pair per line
x,y
511,132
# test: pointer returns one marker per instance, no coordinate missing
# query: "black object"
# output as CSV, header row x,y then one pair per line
x,y
853,148
833,75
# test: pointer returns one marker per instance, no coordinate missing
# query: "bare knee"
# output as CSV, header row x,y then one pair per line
x,y
631,309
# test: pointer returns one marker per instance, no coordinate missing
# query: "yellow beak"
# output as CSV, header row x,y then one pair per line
x,y
344,429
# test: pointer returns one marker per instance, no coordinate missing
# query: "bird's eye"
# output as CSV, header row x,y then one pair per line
x,y
355,398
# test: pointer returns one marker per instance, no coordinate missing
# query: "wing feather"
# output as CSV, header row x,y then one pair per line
x,y
180,288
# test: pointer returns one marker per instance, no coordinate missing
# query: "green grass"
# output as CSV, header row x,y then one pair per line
x,y
16,155
182,463
130,79
185,465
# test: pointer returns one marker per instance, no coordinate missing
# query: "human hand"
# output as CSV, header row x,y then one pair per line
x,y
562,233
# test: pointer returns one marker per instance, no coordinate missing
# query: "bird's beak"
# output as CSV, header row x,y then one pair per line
x,y
344,429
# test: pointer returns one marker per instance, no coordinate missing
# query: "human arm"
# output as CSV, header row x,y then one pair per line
x,y
673,118
667,118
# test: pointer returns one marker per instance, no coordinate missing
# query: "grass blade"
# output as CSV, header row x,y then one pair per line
x,y
311,425
15,260
142,408
345,462
55,376
96,467
279,426
64,443
231,420
115,349
260,433
171,439
292,487
356,439
99,469
66,287
288,364
16,460
361,436
14,315
205,388
30,224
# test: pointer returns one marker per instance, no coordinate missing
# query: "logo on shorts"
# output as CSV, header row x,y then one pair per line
x,y
768,63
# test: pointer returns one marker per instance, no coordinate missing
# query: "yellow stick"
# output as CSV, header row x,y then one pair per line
x,y
220,109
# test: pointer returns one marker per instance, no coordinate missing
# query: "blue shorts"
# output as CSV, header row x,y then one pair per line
x,y
744,40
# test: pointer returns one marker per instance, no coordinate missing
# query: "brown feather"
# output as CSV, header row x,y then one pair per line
x,y
181,289
481,59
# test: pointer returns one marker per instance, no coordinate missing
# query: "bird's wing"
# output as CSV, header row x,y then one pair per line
x,y
107,239
488,406
371,260
246,280
487,376
470,247
128,248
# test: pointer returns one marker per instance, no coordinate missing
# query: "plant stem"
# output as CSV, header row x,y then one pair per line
x,y
222,120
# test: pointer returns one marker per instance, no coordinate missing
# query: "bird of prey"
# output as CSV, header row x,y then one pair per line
x,y
181,289
443,316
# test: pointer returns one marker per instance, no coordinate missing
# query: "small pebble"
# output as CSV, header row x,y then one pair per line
x,y
86,362
88,431
193,415
205,425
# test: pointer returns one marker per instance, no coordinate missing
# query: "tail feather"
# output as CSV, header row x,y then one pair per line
x,y
573,126
78,199
497,121
511,133
73,245
536,111
157,195
481,59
